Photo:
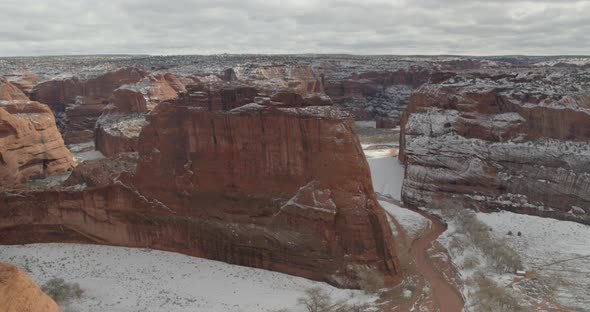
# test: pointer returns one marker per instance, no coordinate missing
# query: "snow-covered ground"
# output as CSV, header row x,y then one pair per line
x,y
558,250
411,221
118,279
84,151
387,175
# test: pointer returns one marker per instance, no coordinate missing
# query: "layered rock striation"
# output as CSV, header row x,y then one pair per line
x,y
279,188
517,142
117,130
30,143
81,101
377,94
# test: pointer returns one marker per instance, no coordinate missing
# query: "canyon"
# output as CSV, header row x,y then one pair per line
x,y
257,161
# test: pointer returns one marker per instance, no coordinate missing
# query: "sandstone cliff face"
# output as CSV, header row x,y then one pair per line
x,y
18,293
117,129
30,144
517,142
291,184
24,80
83,100
284,189
377,94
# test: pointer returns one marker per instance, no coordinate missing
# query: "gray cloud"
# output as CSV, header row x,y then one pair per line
x,y
471,27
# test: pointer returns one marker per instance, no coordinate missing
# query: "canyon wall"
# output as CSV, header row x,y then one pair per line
x,y
30,144
284,189
516,142
80,101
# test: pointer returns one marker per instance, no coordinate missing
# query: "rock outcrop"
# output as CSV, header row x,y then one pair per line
x,y
24,80
284,189
18,293
30,144
117,129
83,100
518,142
372,94
290,184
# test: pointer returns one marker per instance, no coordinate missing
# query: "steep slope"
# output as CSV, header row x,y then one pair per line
x,y
510,141
30,144
18,293
284,189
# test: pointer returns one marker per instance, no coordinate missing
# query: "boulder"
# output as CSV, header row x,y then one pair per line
x,y
18,293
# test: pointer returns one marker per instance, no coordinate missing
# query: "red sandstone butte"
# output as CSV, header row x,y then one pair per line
x,y
30,144
283,189
18,293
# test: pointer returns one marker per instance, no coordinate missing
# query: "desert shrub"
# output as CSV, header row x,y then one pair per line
x,y
60,291
370,281
470,262
457,244
318,300
499,254
491,297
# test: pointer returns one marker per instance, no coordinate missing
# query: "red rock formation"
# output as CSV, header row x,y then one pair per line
x,y
9,92
83,100
30,144
218,97
284,189
385,123
376,94
24,80
18,293
297,78
515,142
117,130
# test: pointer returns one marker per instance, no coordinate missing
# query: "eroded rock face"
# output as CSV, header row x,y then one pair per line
x,y
18,293
284,189
83,100
511,141
30,144
290,183
370,95
117,129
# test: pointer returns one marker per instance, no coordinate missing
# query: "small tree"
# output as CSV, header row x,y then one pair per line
x,y
370,281
60,291
316,300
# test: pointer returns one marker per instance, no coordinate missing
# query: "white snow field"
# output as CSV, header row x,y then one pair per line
x,y
411,221
118,279
558,250
387,175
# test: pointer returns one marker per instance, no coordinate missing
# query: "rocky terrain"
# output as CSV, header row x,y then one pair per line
x,y
30,143
19,293
255,160
516,141
247,173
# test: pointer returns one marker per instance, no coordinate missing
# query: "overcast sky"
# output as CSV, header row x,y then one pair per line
x,y
469,27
